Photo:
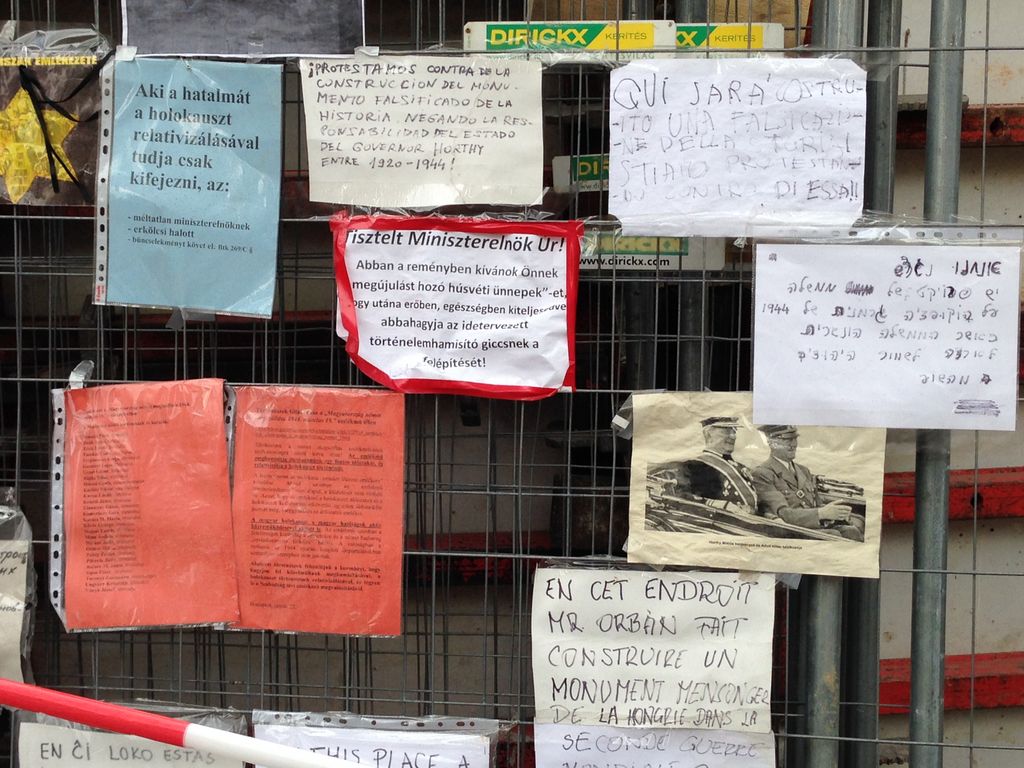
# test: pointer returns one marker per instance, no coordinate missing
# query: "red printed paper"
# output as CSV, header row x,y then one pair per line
x,y
318,490
457,305
147,515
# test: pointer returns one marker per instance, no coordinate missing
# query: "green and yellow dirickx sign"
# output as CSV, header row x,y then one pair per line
x,y
734,36
594,36
662,35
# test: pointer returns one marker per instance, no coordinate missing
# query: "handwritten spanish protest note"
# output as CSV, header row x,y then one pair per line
x,y
886,336
448,305
385,748
418,131
655,650
602,746
724,147
44,744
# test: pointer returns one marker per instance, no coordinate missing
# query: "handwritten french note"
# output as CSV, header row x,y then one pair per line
x,y
721,147
602,746
886,336
655,650
423,131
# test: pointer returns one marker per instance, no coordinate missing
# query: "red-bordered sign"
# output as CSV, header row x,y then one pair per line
x,y
502,310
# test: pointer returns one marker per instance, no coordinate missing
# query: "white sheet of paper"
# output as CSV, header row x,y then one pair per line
x,y
602,746
462,310
13,587
655,650
42,744
385,748
419,131
721,147
920,337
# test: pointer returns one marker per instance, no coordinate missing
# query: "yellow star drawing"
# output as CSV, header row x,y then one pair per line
x,y
22,150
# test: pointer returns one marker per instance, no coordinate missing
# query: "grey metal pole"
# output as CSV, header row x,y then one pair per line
x,y
931,524
862,658
838,25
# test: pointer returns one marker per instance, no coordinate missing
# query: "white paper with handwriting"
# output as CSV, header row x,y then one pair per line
x,y
920,337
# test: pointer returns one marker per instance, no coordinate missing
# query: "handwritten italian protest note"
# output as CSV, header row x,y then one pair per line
x,y
655,650
597,746
889,336
417,131
147,508
43,744
317,508
194,187
484,307
721,147
385,748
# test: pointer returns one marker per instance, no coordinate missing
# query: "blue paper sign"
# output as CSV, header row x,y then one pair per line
x,y
194,187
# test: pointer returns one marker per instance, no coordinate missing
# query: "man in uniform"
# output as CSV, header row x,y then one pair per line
x,y
789,491
712,480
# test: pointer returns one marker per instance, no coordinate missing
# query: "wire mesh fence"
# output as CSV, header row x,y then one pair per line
x,y
495,488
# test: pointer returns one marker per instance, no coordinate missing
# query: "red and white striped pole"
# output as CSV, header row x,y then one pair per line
x,y
168,730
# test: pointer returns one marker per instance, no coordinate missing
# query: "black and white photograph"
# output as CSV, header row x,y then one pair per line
x,y
243,28
709,487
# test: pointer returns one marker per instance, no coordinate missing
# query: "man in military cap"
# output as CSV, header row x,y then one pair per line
x,y
788,490
712,480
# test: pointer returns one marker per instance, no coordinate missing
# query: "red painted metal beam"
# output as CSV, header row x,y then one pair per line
x,y
998,682
997,125
995,492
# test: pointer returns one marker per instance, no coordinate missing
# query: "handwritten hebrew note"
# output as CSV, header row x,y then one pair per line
x,y
655,650
886,336
722,147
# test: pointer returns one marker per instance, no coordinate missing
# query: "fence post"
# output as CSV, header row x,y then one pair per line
x,y
931,520
884,27
838,25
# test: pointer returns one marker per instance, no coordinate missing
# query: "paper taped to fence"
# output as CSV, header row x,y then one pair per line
x,y
241,27
895,336
385,748
564,745
710,488
194,187
317,507
421,132
147,511
654,650
472,306
41,745
723,147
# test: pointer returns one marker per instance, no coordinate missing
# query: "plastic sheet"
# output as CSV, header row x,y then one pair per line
x,y
318,509
892,325
386,742
187,216
49,98
147,519
49,742
724,147
17,589
458,305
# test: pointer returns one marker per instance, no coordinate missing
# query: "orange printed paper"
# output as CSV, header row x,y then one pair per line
x,y
318,489
147,515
